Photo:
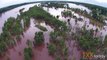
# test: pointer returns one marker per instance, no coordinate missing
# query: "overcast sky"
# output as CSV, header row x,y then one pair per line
x,y
4,3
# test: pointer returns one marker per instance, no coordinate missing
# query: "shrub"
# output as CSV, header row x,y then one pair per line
x,y
51,49
39,38
27,54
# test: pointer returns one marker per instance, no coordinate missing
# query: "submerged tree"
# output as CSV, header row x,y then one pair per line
x,y
12,28
27,54
88,42
39,38
51,49
66,13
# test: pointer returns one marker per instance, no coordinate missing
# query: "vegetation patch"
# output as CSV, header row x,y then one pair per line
x,y
39,13
57,46
53,4
39,38
27,54
12,27
66,13
88,42
51,49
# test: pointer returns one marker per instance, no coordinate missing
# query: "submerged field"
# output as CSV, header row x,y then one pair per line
x,y
53,31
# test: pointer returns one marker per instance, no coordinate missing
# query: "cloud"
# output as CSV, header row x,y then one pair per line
x,y
4,3
101,1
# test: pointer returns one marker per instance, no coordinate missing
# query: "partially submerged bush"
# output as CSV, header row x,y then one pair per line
x,y
66,13
51,49
88,42
27,54
54,35
39,38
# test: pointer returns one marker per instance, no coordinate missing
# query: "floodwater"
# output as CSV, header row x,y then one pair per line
x,y
16,53
71,5
12,13
41,52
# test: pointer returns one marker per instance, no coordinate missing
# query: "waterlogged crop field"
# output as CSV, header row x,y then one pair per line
x,y
54,31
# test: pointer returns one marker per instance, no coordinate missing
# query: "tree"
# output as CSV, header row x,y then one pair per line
x,y
51,49
39,38
88,42
53,36
66,13
27,54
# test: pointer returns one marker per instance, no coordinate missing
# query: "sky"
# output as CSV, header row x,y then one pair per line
x,y
4,3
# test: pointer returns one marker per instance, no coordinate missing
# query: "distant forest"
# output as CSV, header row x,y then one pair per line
x,y
4,9
90,6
